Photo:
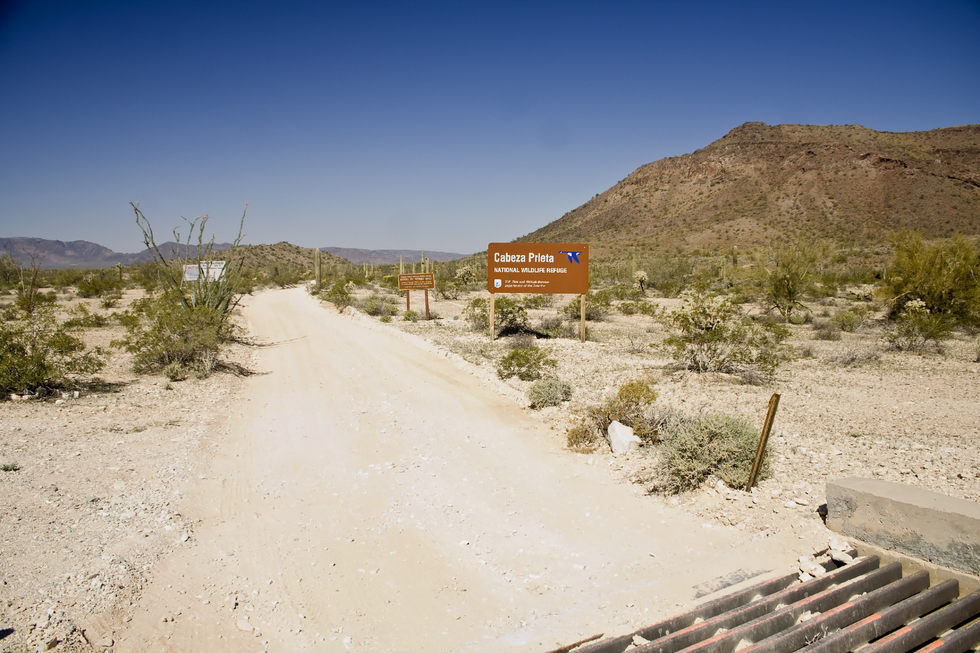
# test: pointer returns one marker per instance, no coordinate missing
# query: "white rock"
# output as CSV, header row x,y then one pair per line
x,y
622,438
841,557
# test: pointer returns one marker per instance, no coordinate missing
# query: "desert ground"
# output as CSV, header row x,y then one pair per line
x,y
367,486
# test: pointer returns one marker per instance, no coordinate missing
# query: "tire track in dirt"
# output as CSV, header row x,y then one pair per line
x,y
369,494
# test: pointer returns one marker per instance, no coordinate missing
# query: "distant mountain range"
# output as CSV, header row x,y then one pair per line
x,y
83,254
761,184
86,255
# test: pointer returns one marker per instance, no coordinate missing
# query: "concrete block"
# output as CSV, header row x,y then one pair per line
x,y
919,523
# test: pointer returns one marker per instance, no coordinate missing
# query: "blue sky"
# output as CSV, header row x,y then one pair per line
x,y
438,126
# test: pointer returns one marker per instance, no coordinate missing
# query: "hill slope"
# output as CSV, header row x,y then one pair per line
x,y
760,184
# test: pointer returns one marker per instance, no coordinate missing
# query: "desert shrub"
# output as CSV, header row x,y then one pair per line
x,y
537,301
9,269
110,299
847,321
385,318
598,305
339,295
942,275
450,289
710,334
28,302
717,445
583,439
410,316
788,276
66,277
40,352
99,283
826,330
526,364
523,340
160,331
82,318
854,358
552,326
670,274
377,305
175,371
549,392
631,405
509,315
917,327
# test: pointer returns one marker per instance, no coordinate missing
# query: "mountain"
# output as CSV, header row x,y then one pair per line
x,y
58,253
762,184
389,256
83,254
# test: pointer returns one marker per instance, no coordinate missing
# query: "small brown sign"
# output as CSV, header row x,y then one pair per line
x,y
416,281
561,268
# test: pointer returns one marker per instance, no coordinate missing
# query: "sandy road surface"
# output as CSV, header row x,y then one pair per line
x,y
368,494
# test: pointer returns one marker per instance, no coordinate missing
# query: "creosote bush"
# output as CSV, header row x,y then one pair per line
x,y
339,295
710,334
598,305
847,321
707,445
509,315
918,327
38,352
549,392
527,364
826,330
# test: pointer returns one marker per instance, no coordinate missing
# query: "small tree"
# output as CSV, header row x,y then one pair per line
x,y
942,275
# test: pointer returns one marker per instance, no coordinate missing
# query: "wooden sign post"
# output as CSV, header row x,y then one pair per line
x,y
543,268
410,282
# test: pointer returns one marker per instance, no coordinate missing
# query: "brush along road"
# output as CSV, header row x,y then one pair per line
x,y
372,493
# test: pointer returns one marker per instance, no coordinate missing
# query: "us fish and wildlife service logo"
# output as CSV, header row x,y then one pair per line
x,y
497,283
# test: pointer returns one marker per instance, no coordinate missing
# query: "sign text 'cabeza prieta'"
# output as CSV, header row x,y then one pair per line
x,y
561,268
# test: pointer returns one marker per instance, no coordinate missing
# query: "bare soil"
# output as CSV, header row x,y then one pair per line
x,y
376,486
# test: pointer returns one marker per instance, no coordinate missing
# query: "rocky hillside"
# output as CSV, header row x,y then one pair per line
x,y
760,184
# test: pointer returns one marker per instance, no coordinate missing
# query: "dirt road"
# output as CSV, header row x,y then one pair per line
x,y
369,494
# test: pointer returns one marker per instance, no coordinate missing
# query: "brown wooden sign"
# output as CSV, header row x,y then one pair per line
x,y
561,268
416,281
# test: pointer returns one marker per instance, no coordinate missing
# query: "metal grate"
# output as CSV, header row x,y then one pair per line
x,y
860,606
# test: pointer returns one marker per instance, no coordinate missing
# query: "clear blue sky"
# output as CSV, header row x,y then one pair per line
x,y
438,126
